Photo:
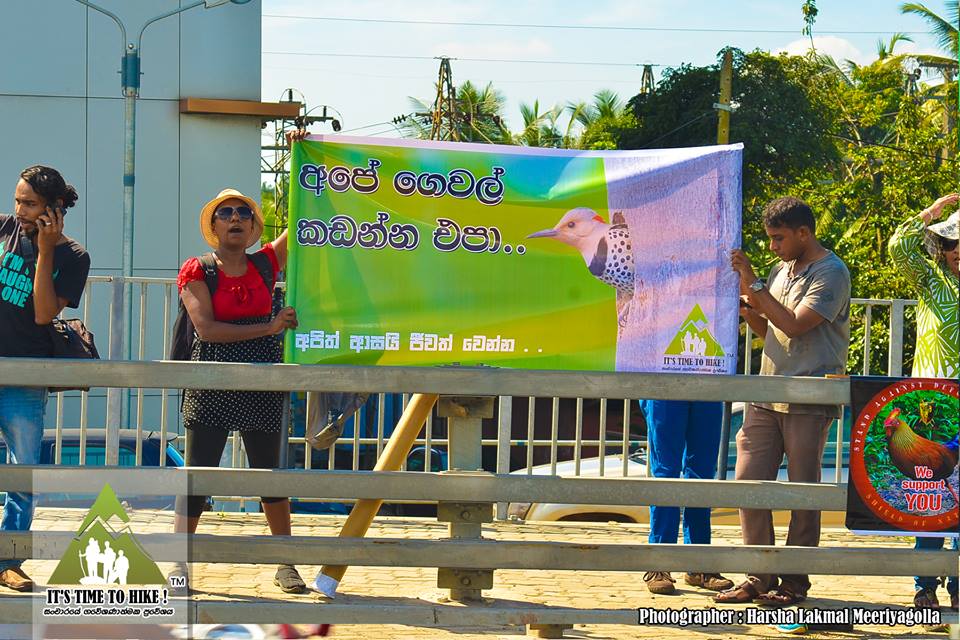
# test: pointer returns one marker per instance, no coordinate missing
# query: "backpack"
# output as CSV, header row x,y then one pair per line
x,y
70,337
181,345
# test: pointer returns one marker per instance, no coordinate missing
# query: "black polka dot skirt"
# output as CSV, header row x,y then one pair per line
x,y
235,410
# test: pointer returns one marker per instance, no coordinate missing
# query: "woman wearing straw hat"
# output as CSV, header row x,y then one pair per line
x,y
233,323
938,333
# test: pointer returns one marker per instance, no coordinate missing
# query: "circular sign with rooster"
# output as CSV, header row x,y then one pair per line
x,y
903,455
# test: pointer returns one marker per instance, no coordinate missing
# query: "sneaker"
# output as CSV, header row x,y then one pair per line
x,y
14,578
659,582
926,599
711,581
791,629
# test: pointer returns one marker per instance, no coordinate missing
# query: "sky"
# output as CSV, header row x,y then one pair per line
x,y
532,61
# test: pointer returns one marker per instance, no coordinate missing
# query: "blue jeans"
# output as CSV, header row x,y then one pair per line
x,y
683,439
928,582
21,423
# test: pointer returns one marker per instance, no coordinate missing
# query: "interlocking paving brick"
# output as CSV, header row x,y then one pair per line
x,y
594,590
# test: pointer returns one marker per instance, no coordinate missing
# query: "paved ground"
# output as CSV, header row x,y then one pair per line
x,y
594,590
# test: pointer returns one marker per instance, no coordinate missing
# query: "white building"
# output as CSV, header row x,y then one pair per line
x,y
61,104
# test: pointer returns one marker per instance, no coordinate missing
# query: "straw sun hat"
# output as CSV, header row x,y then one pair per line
x,y
206,217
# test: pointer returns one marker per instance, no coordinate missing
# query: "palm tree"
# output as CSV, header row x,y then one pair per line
x,y
607,104
607,107
539,129
580,114
885,49
479,112
477,116
418,123
944,30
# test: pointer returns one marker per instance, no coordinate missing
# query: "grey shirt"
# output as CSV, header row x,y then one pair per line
x,y
824,287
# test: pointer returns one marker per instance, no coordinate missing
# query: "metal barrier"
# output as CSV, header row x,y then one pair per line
x,y
462,490
155,304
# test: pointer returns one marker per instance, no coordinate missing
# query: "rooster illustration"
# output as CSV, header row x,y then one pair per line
x,y
909,451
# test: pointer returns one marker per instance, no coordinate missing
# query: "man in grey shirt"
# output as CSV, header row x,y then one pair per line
x,y
803,314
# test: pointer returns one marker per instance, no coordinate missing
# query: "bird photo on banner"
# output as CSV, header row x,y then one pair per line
x,y
606,249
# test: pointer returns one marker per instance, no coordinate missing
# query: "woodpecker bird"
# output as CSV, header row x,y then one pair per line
x,y
606,249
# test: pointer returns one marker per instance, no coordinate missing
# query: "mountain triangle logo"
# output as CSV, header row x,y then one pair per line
x,y
694,337
101,554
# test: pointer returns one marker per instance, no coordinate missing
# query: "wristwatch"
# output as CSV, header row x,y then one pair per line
x,y
757,286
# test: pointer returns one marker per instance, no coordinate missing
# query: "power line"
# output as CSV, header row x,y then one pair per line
x,y
683,126
366,126
281,67
809,130
521,25
399,57
860,143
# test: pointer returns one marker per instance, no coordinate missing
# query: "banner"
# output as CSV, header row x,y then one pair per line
x,y
427,253
903,456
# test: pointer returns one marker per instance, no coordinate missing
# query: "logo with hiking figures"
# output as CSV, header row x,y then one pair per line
x,y
105,571
693,348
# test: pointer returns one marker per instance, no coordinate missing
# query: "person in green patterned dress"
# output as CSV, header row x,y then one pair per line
x,y
938,340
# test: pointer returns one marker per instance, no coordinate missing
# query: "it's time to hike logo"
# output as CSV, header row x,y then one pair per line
x,y
694,337
103,555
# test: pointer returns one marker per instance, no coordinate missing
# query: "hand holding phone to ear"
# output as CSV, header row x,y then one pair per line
x,y
49,229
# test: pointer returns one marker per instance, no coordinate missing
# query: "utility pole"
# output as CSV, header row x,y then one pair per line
x,y
278,172
121,344
949,118
444,106
130,85
723,107
646,80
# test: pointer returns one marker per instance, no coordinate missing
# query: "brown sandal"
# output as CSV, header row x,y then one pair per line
x,y
743,593
782,597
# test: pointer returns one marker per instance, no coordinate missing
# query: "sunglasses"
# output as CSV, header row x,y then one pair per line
x,y
226,213
948,245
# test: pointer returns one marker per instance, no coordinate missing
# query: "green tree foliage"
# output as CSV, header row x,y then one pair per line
x,y
540,128
274,220
943,29
891,168
781,116
478,116
604,121
852,141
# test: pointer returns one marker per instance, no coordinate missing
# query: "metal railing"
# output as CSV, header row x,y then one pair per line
x,y
154,307
467,553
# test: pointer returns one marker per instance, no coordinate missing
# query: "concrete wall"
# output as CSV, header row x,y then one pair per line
x,y
61,105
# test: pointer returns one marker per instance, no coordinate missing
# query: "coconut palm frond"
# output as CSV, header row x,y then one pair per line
x,y
607,103
885,49
944,30
829,65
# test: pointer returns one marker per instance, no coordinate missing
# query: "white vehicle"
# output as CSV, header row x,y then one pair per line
x,y
637,468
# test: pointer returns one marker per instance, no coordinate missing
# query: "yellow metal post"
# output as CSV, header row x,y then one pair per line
x,y
723,108
394,453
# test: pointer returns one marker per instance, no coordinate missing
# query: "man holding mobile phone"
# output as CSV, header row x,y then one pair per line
x,y
802,313
41,272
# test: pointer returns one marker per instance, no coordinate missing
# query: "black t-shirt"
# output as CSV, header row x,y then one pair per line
x,y
20,335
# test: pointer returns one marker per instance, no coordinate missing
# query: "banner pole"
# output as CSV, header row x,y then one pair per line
x,y
394,453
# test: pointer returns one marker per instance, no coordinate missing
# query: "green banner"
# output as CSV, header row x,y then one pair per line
x,y
422,253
